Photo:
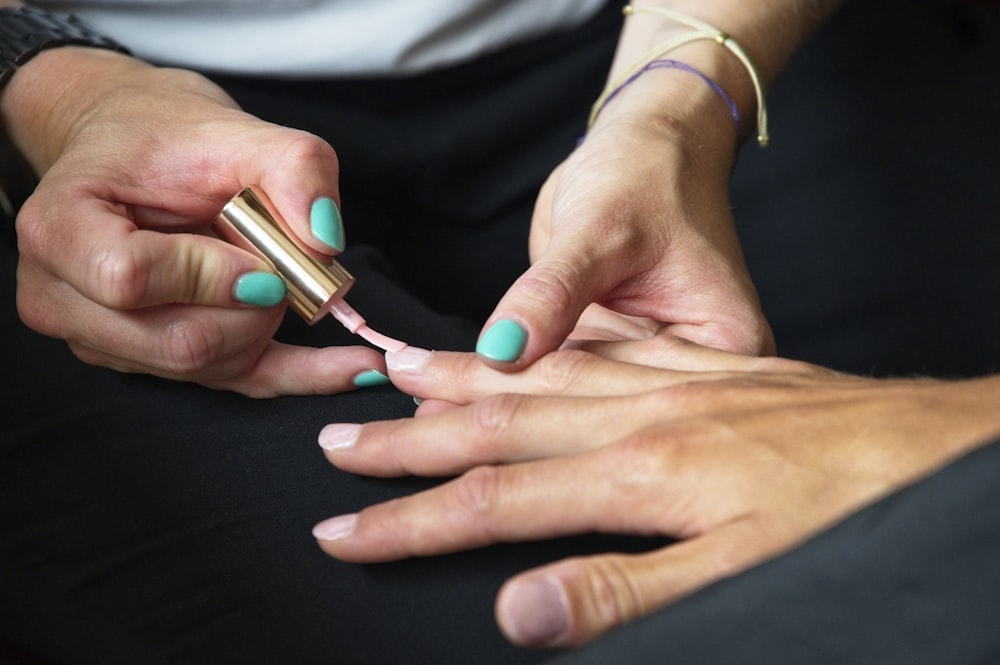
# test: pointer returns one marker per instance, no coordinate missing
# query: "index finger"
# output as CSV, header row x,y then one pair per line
x,y
302,183
461,378
102,254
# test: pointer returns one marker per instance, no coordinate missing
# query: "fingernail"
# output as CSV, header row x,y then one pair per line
x,y
326,223
263,289
370,378
339,436
418,401
335,528
411,359
503,341
537,613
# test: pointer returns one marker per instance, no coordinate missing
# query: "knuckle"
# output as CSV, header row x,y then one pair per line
x,y
613,593
642,460
119,278
478,493
561,370
553,287
189,345
35,314
492,416
306,149
29,227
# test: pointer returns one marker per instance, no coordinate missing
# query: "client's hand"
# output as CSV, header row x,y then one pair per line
x,y
737,458
115,253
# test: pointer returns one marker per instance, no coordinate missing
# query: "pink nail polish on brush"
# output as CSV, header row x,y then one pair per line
x,y
250,221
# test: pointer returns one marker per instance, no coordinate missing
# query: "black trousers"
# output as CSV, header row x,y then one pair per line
x,y
145,521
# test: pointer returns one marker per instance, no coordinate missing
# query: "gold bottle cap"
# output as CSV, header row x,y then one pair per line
x,y
250,221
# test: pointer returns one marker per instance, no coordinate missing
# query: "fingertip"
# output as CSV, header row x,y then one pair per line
x,y
309,209
339,436
534,612
408,360
503,341
259,288
293,370
370,378
326,223
335,528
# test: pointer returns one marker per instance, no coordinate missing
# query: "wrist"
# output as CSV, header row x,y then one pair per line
x,y
690,101
672,34
707,61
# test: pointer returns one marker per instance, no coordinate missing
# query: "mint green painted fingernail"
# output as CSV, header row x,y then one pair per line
x,y
264,289
370,378
326,223
503,341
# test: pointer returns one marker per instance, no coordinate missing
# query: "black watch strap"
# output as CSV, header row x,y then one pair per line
x,y
27,31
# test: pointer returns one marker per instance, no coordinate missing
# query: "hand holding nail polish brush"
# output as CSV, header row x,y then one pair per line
x,y
314,288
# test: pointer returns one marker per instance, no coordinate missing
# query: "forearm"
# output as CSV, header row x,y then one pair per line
x,y
769,30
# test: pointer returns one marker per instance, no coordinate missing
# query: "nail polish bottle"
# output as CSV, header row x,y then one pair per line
x,y
314,288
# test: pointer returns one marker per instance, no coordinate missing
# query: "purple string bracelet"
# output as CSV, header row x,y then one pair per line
x,y
667,63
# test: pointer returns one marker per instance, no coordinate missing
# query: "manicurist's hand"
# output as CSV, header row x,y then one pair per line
x,y
737,458
638,219
116,256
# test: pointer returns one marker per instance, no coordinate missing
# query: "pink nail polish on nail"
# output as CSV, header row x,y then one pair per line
x,y
537,612
339,436
410,359
335,528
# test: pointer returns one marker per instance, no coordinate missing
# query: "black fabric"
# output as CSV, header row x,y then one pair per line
x,y
871,223
441,170
148,522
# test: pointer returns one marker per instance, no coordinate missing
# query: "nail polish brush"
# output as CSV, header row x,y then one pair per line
x,y
314,288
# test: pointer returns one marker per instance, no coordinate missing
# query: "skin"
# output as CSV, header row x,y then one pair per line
x,y
116,255
637,218
115,260
737,458
134,162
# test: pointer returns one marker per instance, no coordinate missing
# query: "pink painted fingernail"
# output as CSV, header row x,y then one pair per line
x,y
537,612
411,359
335,528
339,436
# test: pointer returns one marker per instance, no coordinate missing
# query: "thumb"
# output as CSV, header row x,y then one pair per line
x,y
573,601
570,602
537,313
